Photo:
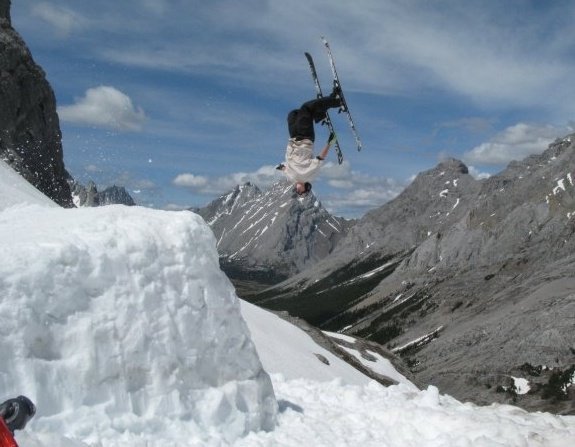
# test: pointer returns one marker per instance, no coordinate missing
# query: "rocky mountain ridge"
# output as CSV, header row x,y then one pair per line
x,y
90,196
271,235
30,138
470,280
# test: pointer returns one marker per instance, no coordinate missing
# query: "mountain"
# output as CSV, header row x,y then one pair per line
x,y
469,280
271,235
90,196
31,140
376,245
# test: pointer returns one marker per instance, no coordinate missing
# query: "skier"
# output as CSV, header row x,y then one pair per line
x,y
300,165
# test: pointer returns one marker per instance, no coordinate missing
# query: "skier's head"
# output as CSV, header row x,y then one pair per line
x,y
302,188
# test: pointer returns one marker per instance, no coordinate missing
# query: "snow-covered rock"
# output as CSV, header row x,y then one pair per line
x,y
122,315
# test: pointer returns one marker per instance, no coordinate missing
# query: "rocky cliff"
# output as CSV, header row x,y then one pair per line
x,y
30,138
90,196
470,281
273,234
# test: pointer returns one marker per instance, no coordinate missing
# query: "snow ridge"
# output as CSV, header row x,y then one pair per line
x,y
123,312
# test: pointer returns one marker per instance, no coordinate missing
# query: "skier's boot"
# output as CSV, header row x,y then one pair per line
x,y
337,93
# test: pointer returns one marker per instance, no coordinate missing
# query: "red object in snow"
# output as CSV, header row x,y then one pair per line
x,y
6,437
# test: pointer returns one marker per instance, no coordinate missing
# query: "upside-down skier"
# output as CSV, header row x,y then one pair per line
x,y
300,165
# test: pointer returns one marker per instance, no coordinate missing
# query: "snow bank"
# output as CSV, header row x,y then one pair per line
x,y
329,414
17,191
288,350
118,321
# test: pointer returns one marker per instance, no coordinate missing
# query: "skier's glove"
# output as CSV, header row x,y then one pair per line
x,y
332,138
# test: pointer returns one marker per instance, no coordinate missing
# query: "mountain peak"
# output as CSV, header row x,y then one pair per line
x,y
453,166
272,230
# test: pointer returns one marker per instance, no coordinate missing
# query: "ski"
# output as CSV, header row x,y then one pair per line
x,y
327,119
337,84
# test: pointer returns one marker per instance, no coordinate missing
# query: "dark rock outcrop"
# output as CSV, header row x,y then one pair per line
x,y
30,138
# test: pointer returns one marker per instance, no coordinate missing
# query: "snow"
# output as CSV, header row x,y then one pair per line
x,y
124,314
560,186
420,340
119,324
521,385
380,365
337,230
15,191
338,336
297,358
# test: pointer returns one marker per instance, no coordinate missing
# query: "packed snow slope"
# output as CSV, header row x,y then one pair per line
x,y
126,314
119,324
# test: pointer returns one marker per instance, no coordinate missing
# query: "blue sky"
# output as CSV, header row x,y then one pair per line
x,y
179,101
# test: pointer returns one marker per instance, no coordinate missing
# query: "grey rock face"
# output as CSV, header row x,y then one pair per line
x,y
30,138
470,281
5,10
90,196
272,232
434,201
116,195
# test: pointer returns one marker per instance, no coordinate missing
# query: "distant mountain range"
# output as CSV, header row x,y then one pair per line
x,y
272,235
471,281
90,196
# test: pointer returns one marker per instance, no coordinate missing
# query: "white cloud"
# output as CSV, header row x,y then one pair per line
x,y
356,202
351,193
465,48
356,192
263,178
64,20
477,174
190,181
515,143
104,106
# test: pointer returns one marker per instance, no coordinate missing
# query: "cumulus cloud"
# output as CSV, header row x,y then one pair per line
x,y
355,193
104,106
477,173
190,181
263,178
515,143
350,193
357,202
